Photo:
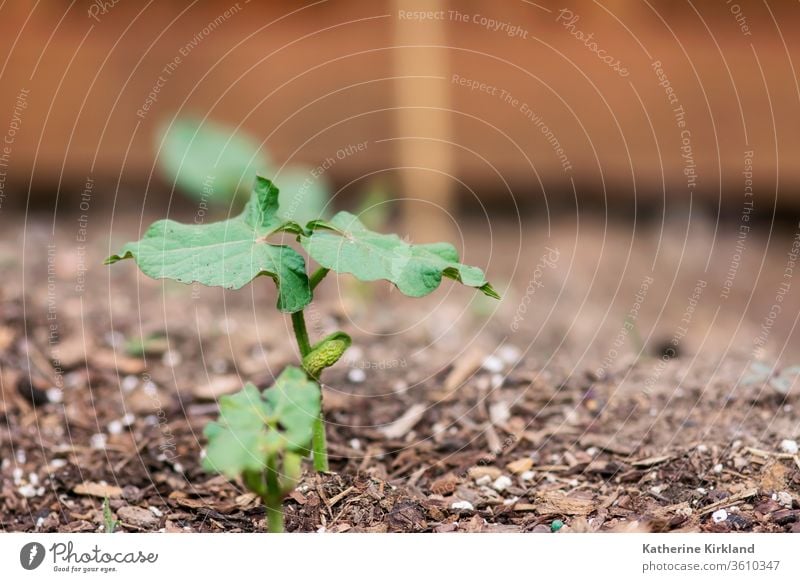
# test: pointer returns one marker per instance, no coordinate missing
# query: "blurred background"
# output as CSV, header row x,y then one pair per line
x,y
533,116
640,137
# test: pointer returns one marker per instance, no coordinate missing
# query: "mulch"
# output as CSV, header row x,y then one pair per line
x,y
427,432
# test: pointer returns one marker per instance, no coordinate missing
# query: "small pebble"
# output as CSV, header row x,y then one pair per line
x,y
718,468
55,395
527,476
114,427
502,483
789,446
156,511
493,364
784,498
98,441
171,359
17,474
462,505
129,383
150,388
483,480
497,381
356,375
719,516
29,490
702,449
355,444
128,419
509,354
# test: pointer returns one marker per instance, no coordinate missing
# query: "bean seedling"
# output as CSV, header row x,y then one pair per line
x,y
257,432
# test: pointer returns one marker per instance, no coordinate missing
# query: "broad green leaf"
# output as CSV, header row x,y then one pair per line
x,y
241,439
208,160
345,245
295,401
253,425
303,197
226,254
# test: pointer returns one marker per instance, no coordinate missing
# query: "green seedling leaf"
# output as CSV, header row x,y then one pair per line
x,y
345,245
226,254
326,353
253,426
209,161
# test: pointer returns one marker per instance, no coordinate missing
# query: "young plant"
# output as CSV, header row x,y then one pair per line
x,y
109,523
233,252
263,436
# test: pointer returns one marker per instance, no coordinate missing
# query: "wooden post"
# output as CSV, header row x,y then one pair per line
x,y
423,120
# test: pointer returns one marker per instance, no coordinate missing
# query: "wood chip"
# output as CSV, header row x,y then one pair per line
x,y
445,484
137,516
520,465
97,490
650,461
480,470
464,368
607,443
732,500
556,502
400,427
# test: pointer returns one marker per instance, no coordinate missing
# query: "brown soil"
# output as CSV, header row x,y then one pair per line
x,y
434,438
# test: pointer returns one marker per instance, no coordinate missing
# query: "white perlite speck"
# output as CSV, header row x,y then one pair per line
x,y
719,516
493,364
462,505
502,483
789,446
356,375
784,498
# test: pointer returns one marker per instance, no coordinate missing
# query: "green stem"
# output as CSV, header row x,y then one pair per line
x,y
319,445
273,499
317,277
301,333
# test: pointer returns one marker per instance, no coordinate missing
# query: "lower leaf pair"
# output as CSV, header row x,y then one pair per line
x,y
262,437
